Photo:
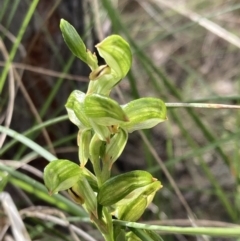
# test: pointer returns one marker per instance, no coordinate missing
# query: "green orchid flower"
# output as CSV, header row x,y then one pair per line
x,y
104,126
113,49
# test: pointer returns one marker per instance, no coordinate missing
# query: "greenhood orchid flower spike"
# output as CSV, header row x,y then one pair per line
x,y
104,126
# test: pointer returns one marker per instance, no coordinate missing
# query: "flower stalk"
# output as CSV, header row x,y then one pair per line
x,y
104,126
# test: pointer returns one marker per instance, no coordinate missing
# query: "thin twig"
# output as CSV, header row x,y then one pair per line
x,y
186,222
23,165
19,231
202,105
12,38
34,111
48,72
59,221
52,211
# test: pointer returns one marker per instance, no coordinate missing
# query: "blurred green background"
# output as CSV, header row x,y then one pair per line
x,y
184,51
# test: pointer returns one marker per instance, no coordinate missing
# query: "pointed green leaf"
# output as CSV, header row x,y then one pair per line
x,y
84,138
75,109
116,146
96,148
117,54
121,185
104,110
73,40
61,175
132,210
135,205
148,191
144,113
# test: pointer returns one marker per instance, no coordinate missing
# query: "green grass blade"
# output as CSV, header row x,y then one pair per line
x,y
33,130
29,143
13,51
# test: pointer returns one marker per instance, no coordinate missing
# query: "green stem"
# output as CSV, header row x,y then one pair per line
x,y
105,226
109,235
100,224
